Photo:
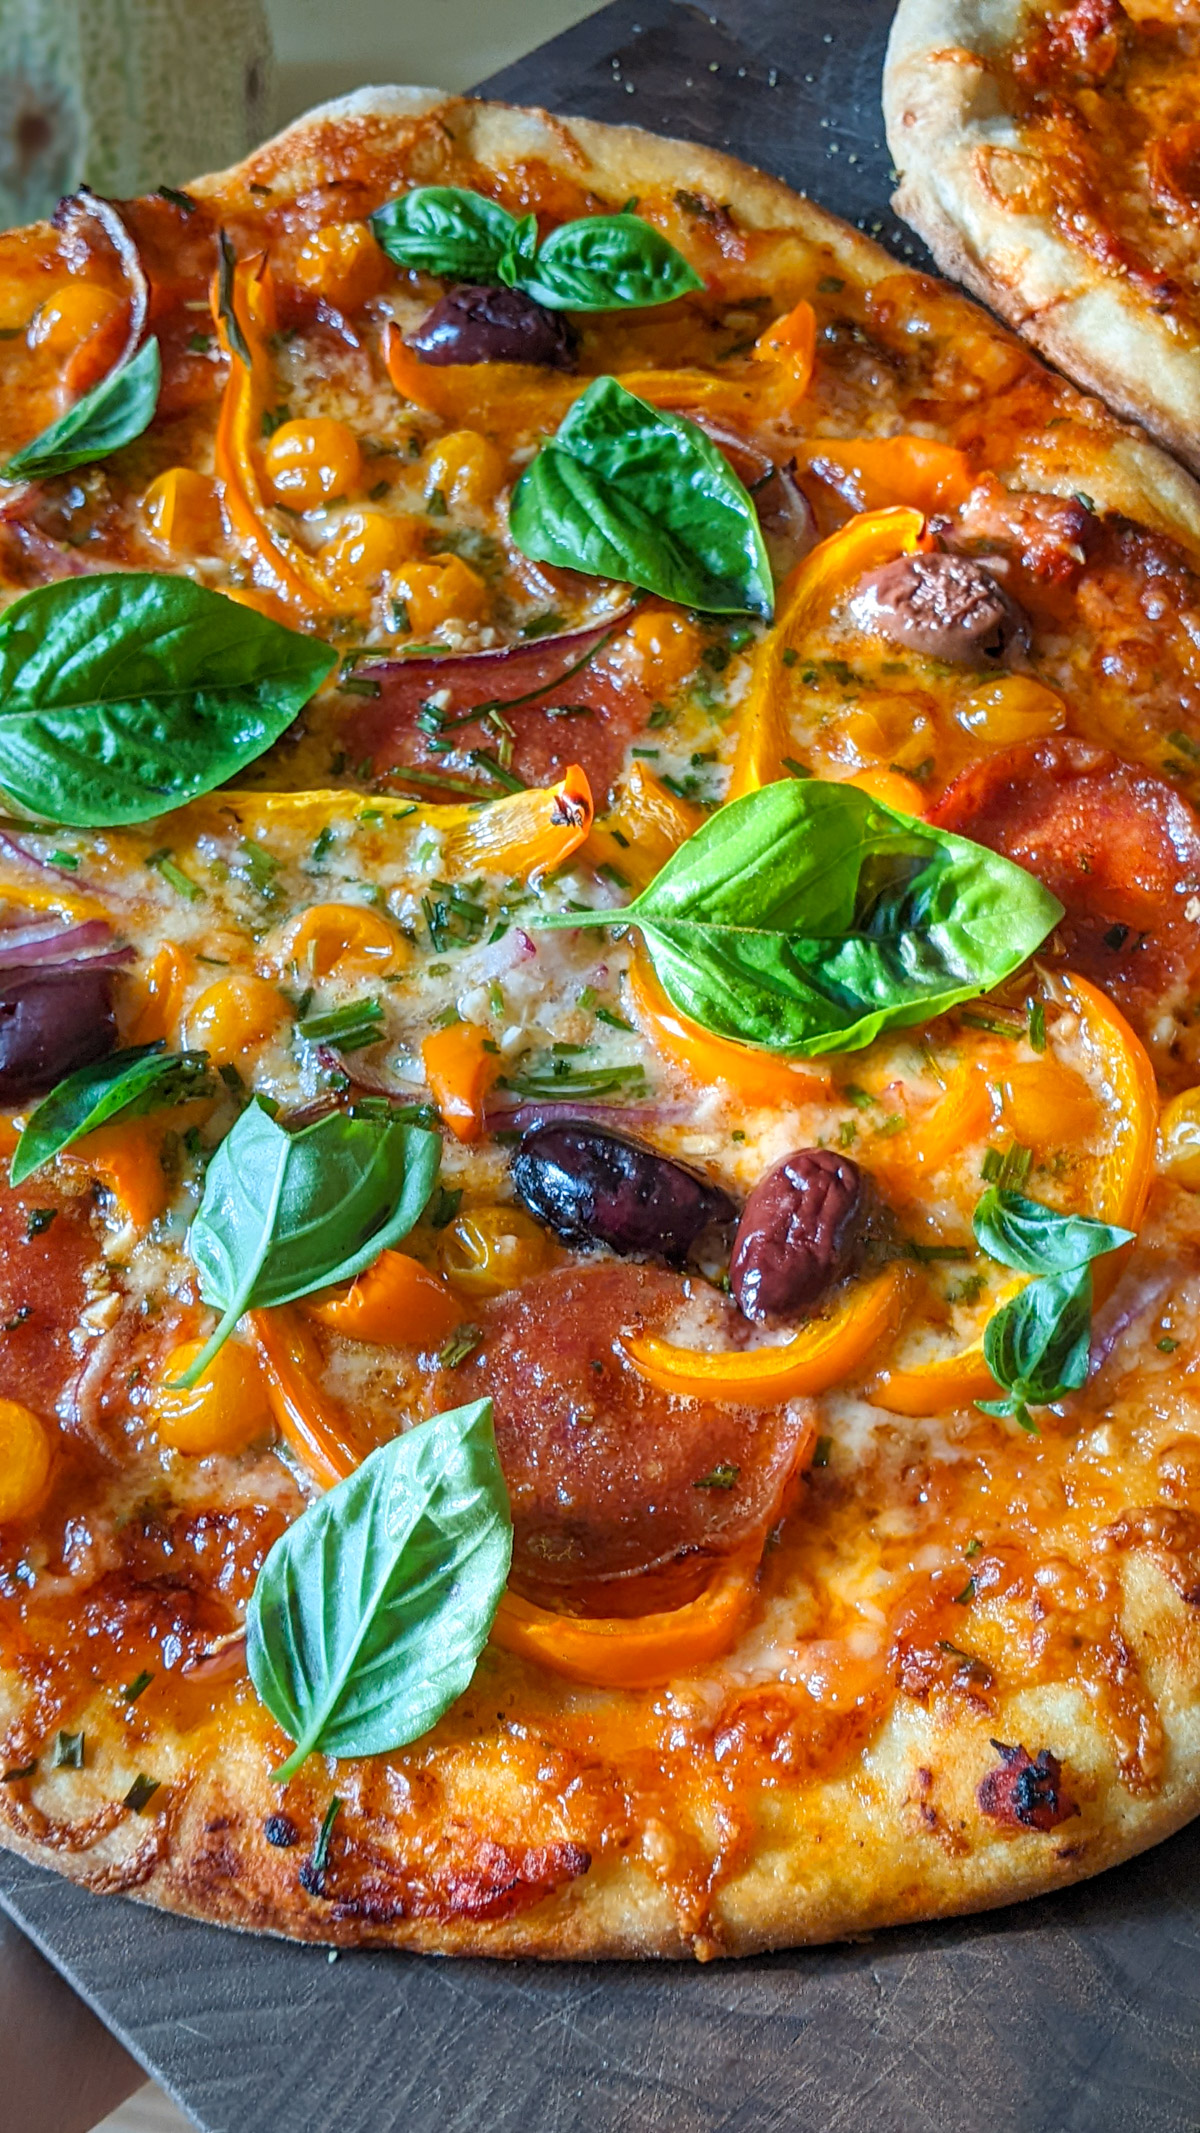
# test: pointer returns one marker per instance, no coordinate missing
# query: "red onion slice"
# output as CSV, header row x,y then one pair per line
x,y
49,946
571,643
69,217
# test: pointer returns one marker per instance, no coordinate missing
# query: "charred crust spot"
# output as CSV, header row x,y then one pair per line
x,y
281,1831
1026,1792
312,1879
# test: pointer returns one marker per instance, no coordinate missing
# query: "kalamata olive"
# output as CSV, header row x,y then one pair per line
x,y
52,1021
476,325
802,1230
949,605
593,1186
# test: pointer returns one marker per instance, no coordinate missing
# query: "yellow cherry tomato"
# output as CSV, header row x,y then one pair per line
x,y
182,512
658,649
342,262
222,1411
345,941
366,544
24,1460
306,462
72,315
465,468
233,1016
491,1249
1046,1105
443,590
1009,709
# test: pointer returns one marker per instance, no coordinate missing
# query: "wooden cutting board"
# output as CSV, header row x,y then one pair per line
x,y
1076,2014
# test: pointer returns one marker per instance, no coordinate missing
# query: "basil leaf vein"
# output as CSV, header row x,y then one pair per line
x,y
444,229
125,695
602,263
286,1213
1036,1239
123,1085
595,263
371,1611
1037,1345
808,918
627,491
112,414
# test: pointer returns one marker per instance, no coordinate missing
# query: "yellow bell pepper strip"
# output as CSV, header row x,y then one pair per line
x,y
461,1063
280,565
315,1426
962,1113
872,472
127,1157
635,1652
396,1303
1122,1181
527,833
805,600
161,995
789,347
757,1077
825,1352
639,834
480,396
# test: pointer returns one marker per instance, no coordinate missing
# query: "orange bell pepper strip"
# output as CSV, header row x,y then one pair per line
x,y
126,1156
872,472
962,1113
280,565
805,600
163,991
480,396
396,1302
639,834
526,833
1122,1182
314,1425
758,1077
789,347
824,1353
638,1652
461,1063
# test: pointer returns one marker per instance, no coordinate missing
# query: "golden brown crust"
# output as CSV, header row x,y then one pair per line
x,y
496,1855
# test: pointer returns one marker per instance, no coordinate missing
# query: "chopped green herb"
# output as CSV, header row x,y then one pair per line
x,y
324,843
259,866
140,1793
183,201
1166,1346
175,877
722,1476
794,768
69,1751
789,655
462,1343
351,1027
821,1450
319,1858
606,1015
273,418
37,1220
70,860
436,504
133,1689
973,1548
442,1206
22,1770
965,1597
1037,1025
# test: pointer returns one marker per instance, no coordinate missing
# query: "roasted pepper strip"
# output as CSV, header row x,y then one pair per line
x,y
461,1063
639,834
279,564
1122,1182
756,1076
613,1652
824,1353
873,472
314,1425
805,600
962,1113
396,1302
526,833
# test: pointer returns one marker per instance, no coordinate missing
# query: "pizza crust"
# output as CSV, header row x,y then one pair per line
x,y
947,129
884,1841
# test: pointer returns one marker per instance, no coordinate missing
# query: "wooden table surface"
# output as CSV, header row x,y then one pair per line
x,y
1074,2014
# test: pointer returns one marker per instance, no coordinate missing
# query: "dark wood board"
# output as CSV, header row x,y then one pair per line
x,y
1076,2014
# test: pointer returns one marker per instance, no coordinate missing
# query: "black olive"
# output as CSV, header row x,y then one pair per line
x,y
51,1022
477,325
802,1230
593,1186
951,606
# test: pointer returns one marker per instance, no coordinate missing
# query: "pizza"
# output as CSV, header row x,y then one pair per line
x,y
599,1062
1050,158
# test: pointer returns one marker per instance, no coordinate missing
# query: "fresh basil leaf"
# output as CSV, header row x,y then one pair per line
x,y
443,229
285,1213
123,695
111,415
1037,1345
627,491
602,263
371,1610
807,918
1037,1239
123,1085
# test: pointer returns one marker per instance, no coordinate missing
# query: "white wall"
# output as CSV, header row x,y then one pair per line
x,y
325,47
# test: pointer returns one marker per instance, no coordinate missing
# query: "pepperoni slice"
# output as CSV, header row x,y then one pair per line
x,y
590,719
1117,846
610,1479
43,1265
